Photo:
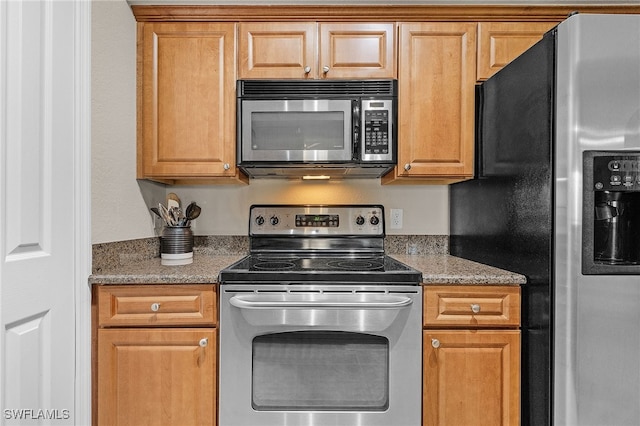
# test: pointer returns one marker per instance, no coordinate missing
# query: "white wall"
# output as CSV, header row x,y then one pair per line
x,y
120,203
225,210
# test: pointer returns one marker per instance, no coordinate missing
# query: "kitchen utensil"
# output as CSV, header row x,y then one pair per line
x,y
156,211
193,211
168,219
177,215
173,200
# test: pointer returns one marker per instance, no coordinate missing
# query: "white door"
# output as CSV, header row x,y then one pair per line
x,y
43,203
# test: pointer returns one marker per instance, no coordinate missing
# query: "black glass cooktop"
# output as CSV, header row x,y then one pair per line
x,y
360,269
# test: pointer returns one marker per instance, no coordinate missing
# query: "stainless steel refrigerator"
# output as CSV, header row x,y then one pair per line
x,y
556,198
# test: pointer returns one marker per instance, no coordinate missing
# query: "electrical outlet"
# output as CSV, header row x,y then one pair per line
x,y
396,218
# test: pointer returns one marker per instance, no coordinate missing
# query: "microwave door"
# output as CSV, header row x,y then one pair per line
x,y
304,131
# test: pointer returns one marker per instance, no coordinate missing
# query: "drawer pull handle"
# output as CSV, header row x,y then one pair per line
x,y
204,342
475,308
435,343
155,307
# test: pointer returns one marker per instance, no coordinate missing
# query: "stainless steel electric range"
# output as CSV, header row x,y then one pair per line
x,y
317,325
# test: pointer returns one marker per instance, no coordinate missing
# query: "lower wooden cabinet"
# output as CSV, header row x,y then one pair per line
x,y
155,355
471,355
157,377
471,378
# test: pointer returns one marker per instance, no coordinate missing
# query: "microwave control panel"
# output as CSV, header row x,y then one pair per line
x,y
377,123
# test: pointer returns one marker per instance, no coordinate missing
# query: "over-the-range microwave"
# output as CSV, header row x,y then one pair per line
x,y
316,128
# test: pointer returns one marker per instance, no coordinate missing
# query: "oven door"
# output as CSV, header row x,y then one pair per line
x,y
313,356
319,130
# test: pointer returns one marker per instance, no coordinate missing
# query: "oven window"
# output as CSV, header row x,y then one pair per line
x,y
320,370
298,130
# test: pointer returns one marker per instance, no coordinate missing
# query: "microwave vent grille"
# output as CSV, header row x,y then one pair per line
x,y
313,88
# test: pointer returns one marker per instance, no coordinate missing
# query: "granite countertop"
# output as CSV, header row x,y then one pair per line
x,y
435,268
203,270
451,270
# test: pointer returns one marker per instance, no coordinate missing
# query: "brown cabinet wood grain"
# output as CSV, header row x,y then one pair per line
x,y
471,306
309,50
157,377
187,70
501,42
156,305
357,50
471,355
471,378
436,80
154,355
276,50
186,102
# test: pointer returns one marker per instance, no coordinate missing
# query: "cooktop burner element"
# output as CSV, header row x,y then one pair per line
x,y
273,266
299,244
356,264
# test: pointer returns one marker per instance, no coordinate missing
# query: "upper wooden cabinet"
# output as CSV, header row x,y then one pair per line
x,y
307,50
436,78
186,101
501,42
189,57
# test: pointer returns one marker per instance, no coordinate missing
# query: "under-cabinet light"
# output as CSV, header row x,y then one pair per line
x,y
316,177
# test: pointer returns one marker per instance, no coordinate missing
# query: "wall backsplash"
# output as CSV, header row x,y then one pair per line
x,y
225,209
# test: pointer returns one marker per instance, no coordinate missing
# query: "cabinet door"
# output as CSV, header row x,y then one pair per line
x,y
501,42
188,100
471,378
355,50
436,99
277,50
156,377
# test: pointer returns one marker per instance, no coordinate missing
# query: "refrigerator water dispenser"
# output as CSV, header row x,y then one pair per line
x,y
611,212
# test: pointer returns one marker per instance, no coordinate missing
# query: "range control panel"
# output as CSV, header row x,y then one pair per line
x,y
617,172
326,220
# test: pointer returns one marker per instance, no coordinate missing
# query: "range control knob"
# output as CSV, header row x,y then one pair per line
x,y
374,220
274,220
260,220
359,220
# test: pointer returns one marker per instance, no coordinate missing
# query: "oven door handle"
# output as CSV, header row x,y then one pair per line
x,y
266,302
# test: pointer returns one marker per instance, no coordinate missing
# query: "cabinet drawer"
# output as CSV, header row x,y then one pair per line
x,y
467,306
156,305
